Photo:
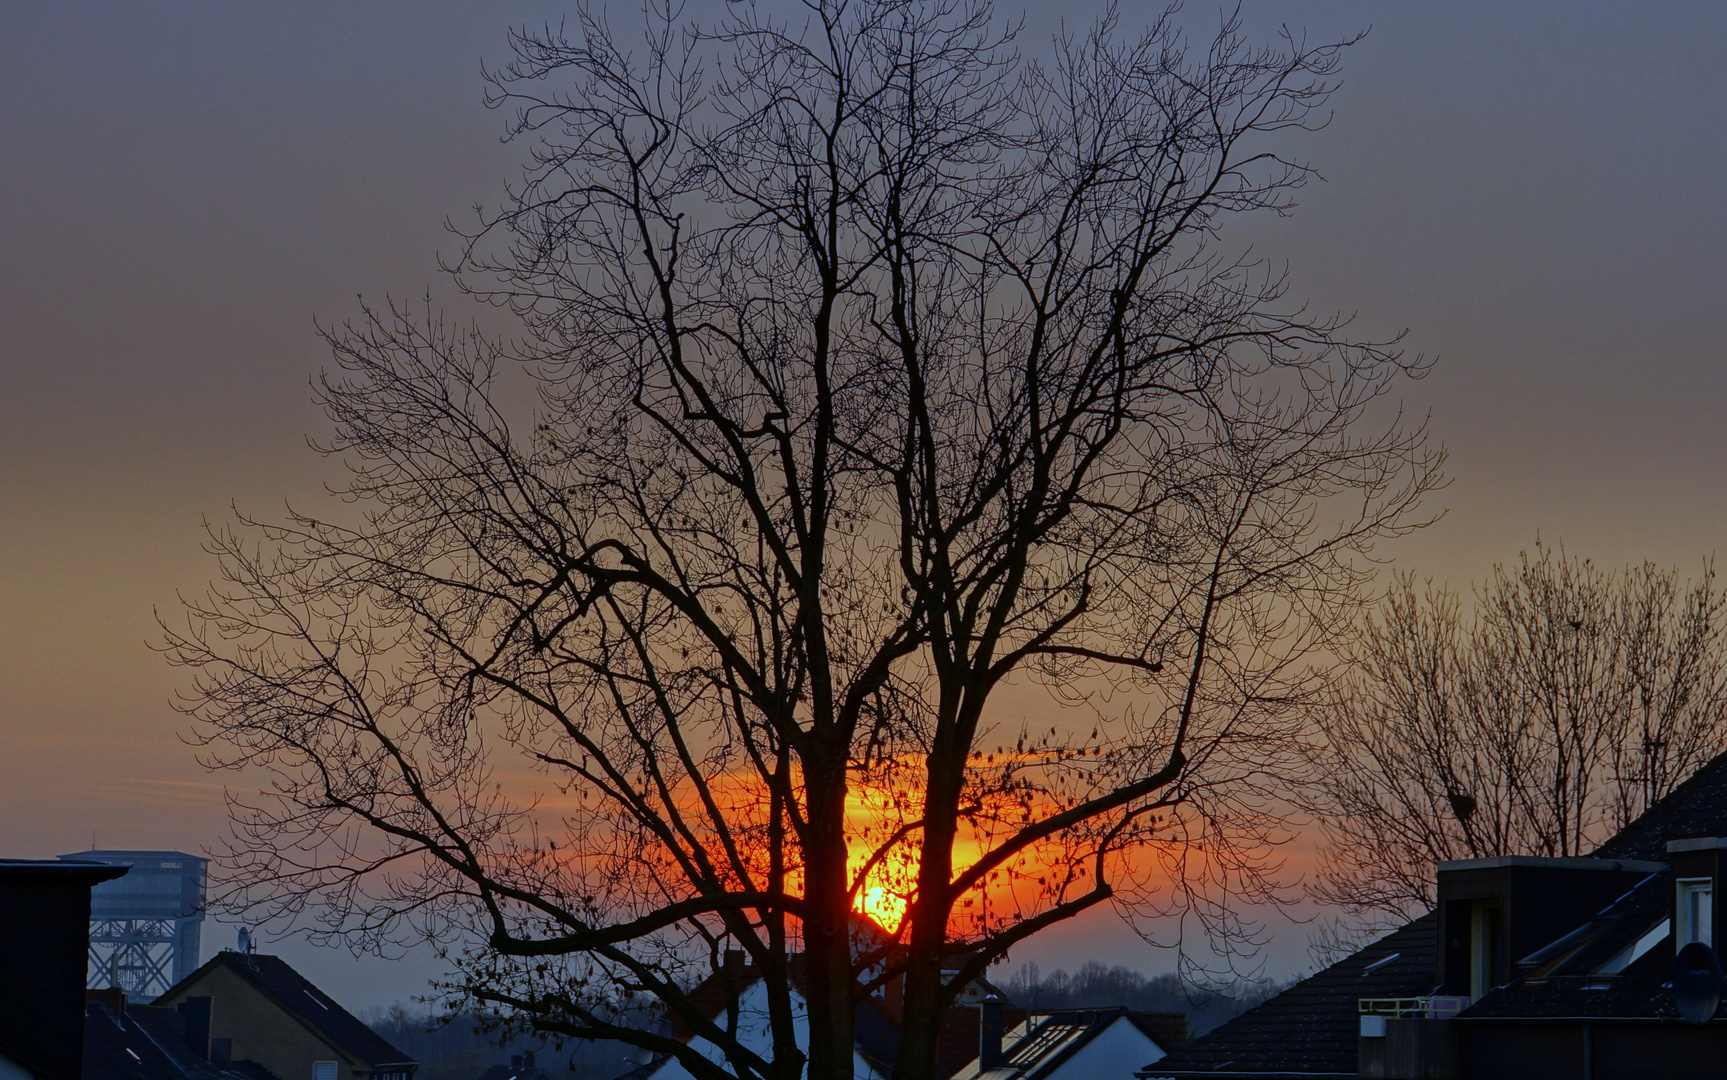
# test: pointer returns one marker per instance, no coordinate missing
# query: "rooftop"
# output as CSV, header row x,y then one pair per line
x,y
1041,1044
291,990
1311,1028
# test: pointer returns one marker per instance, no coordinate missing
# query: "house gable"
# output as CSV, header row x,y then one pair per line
x,y
262,1030
1076,1044
1115,1051
274,1017
755,1031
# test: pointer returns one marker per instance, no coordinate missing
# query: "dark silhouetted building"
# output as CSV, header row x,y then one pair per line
x,y
144,927
1528,968
44,935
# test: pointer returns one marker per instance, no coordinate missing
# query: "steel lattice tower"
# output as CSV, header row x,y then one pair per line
x,y
144,927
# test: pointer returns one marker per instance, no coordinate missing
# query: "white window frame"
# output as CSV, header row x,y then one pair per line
x,y
1694,911
1486,925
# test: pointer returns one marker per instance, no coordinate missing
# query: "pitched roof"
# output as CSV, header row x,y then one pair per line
x,y
147,1043
296,994
875,1035
1311,1028
1698,807
1046,1041
714,994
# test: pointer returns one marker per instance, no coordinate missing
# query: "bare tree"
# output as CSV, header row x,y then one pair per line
x,y
880,369
1569,702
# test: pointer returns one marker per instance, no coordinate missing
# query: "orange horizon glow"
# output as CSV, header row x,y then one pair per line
x,y
874,813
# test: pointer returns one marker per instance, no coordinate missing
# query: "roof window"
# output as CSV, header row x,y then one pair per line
x,y
1633,952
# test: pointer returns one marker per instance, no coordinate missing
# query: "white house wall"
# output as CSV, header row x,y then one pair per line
x,y
1118,1051
755,1032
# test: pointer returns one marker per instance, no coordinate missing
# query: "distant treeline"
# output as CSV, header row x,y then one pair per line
x,y
1095,986
459,1048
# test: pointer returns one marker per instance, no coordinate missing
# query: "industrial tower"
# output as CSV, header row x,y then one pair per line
x,y
144,926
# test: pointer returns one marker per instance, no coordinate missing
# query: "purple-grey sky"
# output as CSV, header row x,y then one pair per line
x,y
1534,189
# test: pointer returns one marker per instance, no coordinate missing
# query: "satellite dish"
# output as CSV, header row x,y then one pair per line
x,y
1696,983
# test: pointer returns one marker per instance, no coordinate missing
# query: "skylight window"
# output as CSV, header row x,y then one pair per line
x,y
1633,952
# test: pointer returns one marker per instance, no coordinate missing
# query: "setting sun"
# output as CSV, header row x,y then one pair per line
x,y
887,908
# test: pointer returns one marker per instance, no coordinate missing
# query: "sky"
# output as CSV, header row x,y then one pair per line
x,y
1533,190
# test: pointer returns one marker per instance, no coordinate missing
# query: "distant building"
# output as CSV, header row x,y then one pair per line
x,y
521,1067
263,1011
961,1035
739,982
44,927
144,927
1094,1044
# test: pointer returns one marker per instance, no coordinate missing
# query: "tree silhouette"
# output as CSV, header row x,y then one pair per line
x,y
880,369
1568,703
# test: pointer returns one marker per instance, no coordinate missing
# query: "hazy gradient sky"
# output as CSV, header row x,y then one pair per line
x,y
1534,189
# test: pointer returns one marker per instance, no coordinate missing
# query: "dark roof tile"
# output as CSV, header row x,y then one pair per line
x,y
1698,807
1312,1027
146,1043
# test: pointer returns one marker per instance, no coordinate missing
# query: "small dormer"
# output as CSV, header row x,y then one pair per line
x,y
1696,876
1496,910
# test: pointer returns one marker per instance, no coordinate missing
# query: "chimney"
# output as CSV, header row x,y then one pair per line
x,y
989,1035
893,998
196,1011
113,997
528,1060
735,963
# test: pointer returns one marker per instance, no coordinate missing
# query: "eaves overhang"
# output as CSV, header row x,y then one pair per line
x,y
1494,862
